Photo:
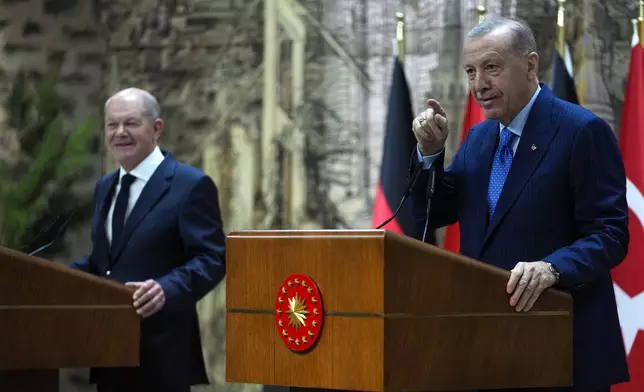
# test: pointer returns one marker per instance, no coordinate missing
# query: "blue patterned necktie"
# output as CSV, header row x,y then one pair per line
x,y
500,169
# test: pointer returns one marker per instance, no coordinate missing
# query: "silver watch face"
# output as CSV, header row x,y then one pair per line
x,y
553,270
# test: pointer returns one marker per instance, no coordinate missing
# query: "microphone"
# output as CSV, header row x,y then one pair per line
x,y
45,229
430,195
410,185
56,234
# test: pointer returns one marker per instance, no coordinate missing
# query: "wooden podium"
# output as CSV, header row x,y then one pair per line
x,y
399,315
54,317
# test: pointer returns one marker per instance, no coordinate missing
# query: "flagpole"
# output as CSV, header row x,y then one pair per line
x,y
480,10
400,36
561,31
641,23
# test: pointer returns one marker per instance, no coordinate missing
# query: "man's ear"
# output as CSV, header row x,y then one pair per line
x,y
158,127
533,66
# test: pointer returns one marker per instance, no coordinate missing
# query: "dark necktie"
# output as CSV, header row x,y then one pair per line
x,y
120,208
500,169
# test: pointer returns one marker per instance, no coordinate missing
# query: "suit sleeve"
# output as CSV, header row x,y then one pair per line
x,y
201,231
598,183
83,264
444,207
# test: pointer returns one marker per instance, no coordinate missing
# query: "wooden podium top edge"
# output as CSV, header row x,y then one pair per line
x,y
384,234
52,265
291,233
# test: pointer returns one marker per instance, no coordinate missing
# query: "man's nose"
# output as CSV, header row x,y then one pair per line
x,y
481,82
120,130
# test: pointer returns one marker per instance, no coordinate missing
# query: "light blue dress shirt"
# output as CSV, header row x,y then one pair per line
x,y
516,126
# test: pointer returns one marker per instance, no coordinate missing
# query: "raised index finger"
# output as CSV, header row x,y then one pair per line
x,y
432,103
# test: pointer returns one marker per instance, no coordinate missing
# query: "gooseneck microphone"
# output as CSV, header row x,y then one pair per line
x,y
55,234
410,185
430,195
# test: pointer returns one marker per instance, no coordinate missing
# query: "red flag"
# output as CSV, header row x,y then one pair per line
x,y
473,115
628,277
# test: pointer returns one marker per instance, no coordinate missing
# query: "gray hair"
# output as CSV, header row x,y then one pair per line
x,y
150,105
523,42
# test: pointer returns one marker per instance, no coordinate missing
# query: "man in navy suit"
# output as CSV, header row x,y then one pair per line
x,y
539,189
156,228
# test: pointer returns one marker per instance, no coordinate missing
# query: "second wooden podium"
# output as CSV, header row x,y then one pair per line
x,y
376,311
53,317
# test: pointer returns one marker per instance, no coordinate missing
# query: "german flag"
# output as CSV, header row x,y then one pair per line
x,y
563,82
399,144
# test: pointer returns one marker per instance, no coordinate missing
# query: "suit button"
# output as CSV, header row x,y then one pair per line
x,y
108,272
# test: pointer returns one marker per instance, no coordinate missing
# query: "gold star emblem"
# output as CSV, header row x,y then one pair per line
x,y
297,312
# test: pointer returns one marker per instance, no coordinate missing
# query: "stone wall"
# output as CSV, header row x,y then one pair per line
x,y
36,34
283,102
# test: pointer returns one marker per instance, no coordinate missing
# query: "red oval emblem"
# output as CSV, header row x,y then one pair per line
x,y
299,312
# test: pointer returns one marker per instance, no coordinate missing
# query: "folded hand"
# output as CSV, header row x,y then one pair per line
x,y
148,297
527,282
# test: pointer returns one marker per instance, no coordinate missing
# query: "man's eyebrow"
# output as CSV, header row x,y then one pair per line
x,y
486,59
124,119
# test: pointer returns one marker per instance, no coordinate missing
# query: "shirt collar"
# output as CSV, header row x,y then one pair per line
x,y
147,167
518,122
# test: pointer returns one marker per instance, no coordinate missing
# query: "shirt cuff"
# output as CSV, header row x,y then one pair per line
x,y
428,161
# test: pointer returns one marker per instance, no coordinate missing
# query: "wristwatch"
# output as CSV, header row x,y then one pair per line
x,y
554,271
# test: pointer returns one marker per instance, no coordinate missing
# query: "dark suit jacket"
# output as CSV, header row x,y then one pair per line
x,y
563,202
173,235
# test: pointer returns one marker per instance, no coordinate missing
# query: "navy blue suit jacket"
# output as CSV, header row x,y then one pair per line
x,y
173,235
563,202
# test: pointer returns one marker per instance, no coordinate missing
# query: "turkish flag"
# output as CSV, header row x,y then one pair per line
x,y
472,116
628,277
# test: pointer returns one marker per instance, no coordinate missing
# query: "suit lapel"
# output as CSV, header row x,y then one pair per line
x,y
480,158
539,131
153,191
104,202
104,193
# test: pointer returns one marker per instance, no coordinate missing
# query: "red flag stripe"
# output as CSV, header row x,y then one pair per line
x,y
472,116
383,211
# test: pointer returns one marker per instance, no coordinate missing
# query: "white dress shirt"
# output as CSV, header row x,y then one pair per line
x,y
142,173
516,126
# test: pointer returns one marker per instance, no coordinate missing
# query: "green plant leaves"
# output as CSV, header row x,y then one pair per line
x,y
52,155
